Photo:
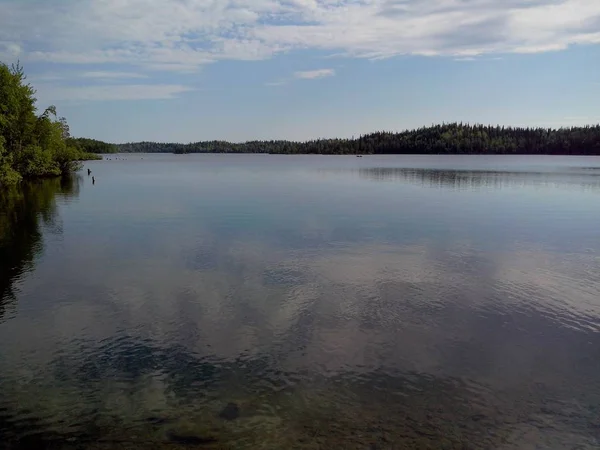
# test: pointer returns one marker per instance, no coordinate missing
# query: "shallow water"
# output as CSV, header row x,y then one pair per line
x,y
262,302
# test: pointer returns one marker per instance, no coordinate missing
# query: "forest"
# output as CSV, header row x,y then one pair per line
x,y
92,145
452,138
31,145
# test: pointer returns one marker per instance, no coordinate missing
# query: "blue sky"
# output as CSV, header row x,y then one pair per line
x,y
189,70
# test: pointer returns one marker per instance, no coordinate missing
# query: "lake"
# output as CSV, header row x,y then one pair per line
x,y
312,302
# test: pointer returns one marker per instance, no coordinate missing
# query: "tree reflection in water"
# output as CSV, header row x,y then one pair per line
x,y
25,210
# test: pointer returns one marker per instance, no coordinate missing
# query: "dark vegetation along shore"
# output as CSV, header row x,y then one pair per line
x,y
32,146
453,138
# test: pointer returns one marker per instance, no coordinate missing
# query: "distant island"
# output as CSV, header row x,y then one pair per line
x,y
447,139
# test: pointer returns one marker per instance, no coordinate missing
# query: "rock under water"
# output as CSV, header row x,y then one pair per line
x,y
230,412
186,439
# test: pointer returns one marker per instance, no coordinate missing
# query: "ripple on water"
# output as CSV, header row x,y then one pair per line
x,y
431,312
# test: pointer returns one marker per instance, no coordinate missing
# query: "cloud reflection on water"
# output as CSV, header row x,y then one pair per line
x,y
168,334
340,332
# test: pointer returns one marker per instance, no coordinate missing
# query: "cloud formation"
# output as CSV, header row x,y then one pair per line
x,y
114,92
312,74
112,75
108,43
181,35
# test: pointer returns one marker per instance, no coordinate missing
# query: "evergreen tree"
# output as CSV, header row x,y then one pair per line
x,y
453,138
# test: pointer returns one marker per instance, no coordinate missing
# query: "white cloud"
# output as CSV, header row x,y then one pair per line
x,y
50,94
181,35
303,75
45,77
11,49
113,75
312,74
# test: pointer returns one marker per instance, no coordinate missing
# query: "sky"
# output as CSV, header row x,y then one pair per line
x,y
191,70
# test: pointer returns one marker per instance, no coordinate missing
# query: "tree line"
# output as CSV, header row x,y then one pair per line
x,y
41,145
452,138
31,145
92,145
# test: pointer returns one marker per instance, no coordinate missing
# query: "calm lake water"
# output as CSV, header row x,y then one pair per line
x,y
314,302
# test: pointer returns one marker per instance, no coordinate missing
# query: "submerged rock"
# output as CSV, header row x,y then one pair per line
x,y
189,439
157,420
230,412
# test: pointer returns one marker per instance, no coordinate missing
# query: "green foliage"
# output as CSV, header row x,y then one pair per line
x,y
89,157
67,159
35,162
92,145
451,138
8,175
30,146
17,107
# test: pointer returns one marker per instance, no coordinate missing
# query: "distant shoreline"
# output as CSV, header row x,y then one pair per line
x,y
107,155
446,139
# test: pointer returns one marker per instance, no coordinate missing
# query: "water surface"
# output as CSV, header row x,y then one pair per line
x,y
261,301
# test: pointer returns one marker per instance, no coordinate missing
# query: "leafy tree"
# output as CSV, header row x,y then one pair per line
x,y
31,146
17,107
8,175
